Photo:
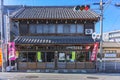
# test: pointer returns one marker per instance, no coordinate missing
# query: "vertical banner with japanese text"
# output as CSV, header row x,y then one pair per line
x,y
11,50
0,57
39,56
94,52
73,57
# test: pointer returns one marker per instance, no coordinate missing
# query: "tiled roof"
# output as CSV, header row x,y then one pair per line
x,y
11,8
53,40
53,13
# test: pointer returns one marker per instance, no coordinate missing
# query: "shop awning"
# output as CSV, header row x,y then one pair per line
x,y
53,40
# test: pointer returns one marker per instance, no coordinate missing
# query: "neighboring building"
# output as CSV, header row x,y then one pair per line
x,y
112,48
105,36
111,57
113,36
111,51
53,37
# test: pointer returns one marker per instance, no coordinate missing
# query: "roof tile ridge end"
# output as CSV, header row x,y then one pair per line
x,y
18,12
94,13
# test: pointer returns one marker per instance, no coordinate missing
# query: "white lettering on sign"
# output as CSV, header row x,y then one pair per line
x,y
110,55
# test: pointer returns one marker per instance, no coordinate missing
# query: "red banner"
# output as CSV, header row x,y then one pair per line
x,y
94,52
87,47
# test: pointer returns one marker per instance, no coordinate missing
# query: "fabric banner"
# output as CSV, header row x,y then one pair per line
x,y
17,54
39,56
73,56
0,57
94,52
11,51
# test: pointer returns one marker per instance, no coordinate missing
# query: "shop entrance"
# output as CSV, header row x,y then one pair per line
x,y
49,60
49,57
55,60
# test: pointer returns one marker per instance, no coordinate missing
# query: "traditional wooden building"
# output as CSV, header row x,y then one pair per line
x,y
53,38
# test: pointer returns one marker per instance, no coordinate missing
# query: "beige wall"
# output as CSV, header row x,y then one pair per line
x,y
112,49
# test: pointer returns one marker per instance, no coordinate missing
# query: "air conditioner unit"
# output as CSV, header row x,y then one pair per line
x,y
88,31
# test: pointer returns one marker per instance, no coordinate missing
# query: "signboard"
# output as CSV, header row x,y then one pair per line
x,y
109,59
74,47
110,55
0,57
61,56
94,36
94,52
11,50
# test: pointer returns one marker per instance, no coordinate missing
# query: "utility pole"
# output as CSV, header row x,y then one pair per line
x,y
2,36
101,32
101,27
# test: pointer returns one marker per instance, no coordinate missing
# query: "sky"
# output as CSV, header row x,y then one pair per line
x,y
111,13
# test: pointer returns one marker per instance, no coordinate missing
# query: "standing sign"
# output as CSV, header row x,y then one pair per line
x,y
61,56
11,50
0,57
94,52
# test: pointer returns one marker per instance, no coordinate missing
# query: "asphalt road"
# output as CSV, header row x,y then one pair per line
x,y
58,76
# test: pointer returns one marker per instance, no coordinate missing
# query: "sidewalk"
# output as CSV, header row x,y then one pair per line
x,y
57,76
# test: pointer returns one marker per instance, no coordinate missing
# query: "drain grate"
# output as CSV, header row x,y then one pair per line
x,y
92,77
31,77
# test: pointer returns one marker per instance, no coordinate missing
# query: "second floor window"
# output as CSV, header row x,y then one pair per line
x,y
53,28
32,28
45,29
23,29
66,29
39,29
60,28
80,28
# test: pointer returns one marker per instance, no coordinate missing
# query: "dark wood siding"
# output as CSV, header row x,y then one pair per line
x,y
24,29
89,26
